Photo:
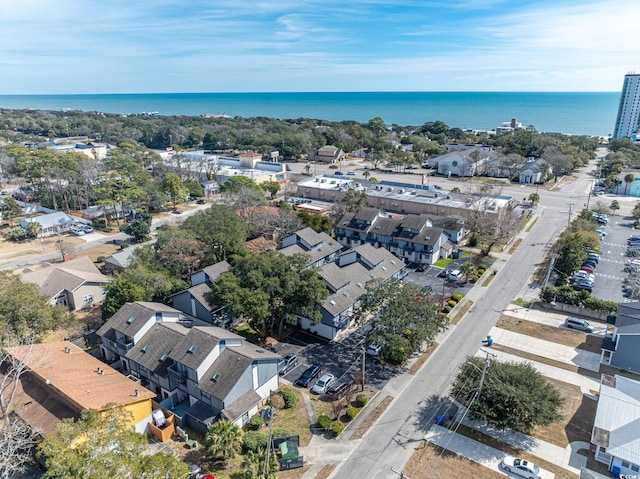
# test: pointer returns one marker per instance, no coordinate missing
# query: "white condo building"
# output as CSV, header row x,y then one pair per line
x,y
628,119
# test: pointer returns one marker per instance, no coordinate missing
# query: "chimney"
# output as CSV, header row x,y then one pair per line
x,y
67,350
100,371
513,122
137,392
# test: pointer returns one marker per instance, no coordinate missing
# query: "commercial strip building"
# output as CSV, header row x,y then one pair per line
x,y
628,119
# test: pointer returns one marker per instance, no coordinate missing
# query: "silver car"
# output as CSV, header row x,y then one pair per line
x,y
323,384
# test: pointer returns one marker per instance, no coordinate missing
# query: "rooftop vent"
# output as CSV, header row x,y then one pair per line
x,y
131,319
360,285
163,357
145,348
333,302
215,377
346,294
192,349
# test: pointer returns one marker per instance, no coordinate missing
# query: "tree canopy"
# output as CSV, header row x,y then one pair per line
x,y
403,317
103,444
514,395
269,287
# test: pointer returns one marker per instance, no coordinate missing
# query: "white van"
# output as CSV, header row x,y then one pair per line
x,y
455,275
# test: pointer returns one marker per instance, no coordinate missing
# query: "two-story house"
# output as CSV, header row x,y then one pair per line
x,y
319,247
621,341
413,238
200,372
346,279
194,301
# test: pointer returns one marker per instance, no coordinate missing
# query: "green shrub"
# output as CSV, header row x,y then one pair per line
x,y
452,303
447,309
474,278
324,421
254,441
281,432
457,297
289,395
100,259
351,412
255,422
337,428
276,401
473,242
361,400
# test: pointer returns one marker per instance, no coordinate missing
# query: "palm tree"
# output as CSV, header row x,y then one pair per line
x,y
224,439
307,168
628,179
534,198
468,269
366,175
33,229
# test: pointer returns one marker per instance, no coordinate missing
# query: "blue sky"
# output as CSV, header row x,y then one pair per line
x,y
131,46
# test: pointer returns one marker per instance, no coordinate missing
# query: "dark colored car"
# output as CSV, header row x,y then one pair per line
x,y
444,273
289,362
309,375
340,389
201,202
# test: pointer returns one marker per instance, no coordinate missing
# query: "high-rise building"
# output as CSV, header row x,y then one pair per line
x,y
628,120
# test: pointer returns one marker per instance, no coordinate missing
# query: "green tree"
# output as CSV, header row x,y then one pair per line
x,y
139,230
234,183
172,185
270,287
628,179
120,291
403,318
253,465
220,229
33,229
103,444
23,312
572,249
316,221
272,187
468,269
503,402
194,189
353,201
224,439
636,211
534,198
614,206
10,209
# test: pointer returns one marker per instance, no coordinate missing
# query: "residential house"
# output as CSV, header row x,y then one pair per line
x,y
202,373
346,278
75,284
319,247
61,380
121,260
326,154
472,161
52,223
411,238
621,341
534,171
194,301
616,425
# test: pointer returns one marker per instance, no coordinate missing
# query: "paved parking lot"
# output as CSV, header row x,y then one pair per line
x,y
610,270
338,358
439,285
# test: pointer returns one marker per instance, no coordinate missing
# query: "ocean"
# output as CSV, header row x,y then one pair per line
x,y
575,113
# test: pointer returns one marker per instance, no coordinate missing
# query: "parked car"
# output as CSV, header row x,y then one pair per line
x,y
322,384
579,324
351,173
201,201
455,275
338,173
521,467
374,349
88,228
586,268
289,362
340,389
333,167
176,211
309,375
77,231
588,287
444,273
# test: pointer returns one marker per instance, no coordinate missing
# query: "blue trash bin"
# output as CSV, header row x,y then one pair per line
x,y
615,471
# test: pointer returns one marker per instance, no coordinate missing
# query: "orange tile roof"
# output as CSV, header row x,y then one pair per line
x,y
74,374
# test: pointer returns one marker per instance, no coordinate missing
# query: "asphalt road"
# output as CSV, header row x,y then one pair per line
x,y
392,440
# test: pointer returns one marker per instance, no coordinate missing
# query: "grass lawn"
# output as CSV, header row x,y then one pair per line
x,y
295,420
429,461
578,413
554,334
442,263
559,472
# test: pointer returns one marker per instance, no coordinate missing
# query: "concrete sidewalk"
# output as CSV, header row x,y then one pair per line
x,y
470,449
549,318
548,349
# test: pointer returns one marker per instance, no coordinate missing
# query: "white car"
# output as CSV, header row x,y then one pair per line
x,y
322,384
77,231
374,349
521,467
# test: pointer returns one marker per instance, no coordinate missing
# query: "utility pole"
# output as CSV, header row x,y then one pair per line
x,y
266,461
364,357
487,362
569,220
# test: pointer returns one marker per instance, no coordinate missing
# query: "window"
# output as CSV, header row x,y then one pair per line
x,y
635,468
87,299
625,464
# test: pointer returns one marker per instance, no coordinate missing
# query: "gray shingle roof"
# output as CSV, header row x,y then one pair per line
x,y
228,368
241,405
154,345
140,312
215,270
193,348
